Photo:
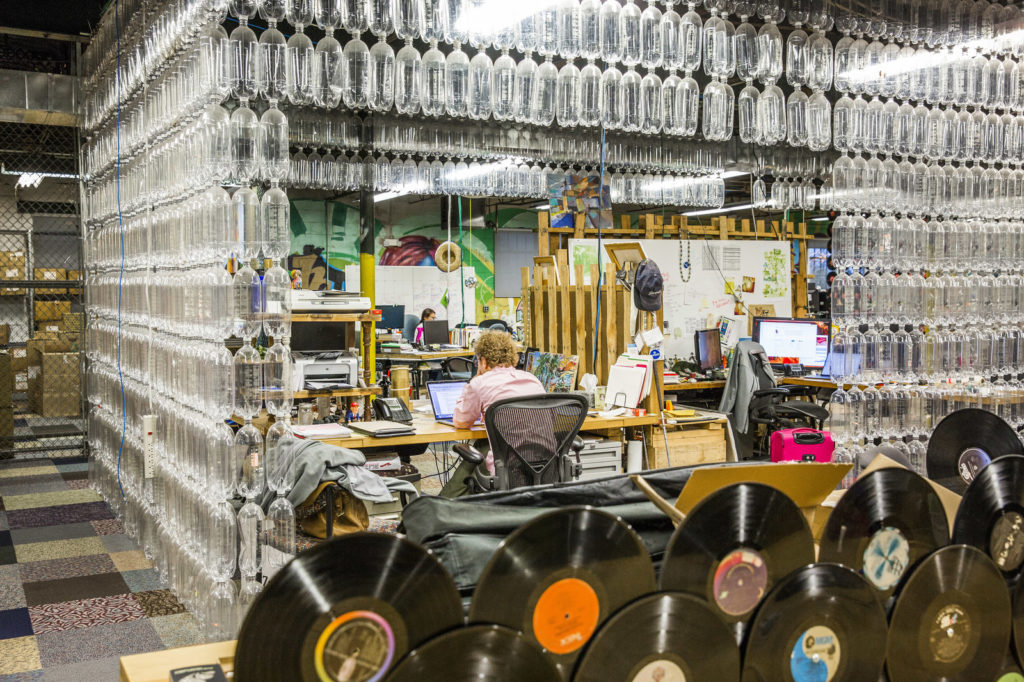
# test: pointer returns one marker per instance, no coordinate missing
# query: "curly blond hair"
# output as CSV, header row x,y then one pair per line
x,y
496,348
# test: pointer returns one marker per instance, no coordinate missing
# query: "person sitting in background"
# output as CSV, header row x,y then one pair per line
x,y
496,378
427,315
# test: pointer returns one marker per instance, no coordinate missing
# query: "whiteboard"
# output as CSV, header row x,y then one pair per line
x,y
422,286
758,270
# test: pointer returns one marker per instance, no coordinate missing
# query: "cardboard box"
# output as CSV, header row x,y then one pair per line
x,y
61,372
47,328
12,266
47,311
50,274
5,334
74,275
6,424
21,382
44,342
60,404
6,380
19,359
72,322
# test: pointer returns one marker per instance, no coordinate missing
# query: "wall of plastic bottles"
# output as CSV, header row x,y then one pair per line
x,y
187,228
197,115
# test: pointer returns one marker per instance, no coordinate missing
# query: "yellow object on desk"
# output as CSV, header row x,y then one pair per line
x,y
680,413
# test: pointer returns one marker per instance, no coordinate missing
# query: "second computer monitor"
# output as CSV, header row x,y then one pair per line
x,y
707,347
788,341
435,332
392,316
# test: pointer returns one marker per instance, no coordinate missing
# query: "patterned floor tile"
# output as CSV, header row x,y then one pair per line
x,y
11,481
118,543
15,623
65,513
59,549
77,483
72,467
108,668
107,527
7,556
142,580
28,676
83,613
130,561
67,531
3,521
5,538
159,603
71,567
19,655
115,639
178,630
12,596
37,470
70,589
65,497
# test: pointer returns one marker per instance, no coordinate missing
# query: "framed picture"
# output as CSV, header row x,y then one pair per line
x,y
626,257
556,372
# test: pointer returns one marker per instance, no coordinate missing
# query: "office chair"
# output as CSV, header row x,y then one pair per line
x,y
531,438
495,324
409,328
458,368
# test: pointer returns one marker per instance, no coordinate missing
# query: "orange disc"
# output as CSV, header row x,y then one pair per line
x,y
566,615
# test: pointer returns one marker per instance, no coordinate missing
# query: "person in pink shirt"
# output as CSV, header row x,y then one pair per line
x,y
496,378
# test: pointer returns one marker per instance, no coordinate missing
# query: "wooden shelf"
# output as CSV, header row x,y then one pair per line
x,y
337,393
335,317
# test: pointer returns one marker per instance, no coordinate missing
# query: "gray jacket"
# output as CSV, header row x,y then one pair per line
x,y
311,462
750,371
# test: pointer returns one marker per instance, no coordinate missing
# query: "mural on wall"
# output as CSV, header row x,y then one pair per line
x,y
325,238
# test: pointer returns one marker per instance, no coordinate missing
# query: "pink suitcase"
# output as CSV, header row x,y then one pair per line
x,y
801,445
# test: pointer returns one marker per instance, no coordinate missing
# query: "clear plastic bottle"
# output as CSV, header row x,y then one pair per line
x,y
568,96
547,29
277,303
221,466
503,87
248,381
457,82
629,89
275,223
407,18
651,43
611,98
356,67
651,113
273,145
590,29
277,376
745,49
611,36
688,104
771,115
244,127
629,29
328,72
719,108
272,70
381,77
481,77
673,118
691,38
769,53
433,88
527,33
542,108
299,68
796,58
433,19
525,83
408,79
244,61
796,119
246,295
671,34
819,122
378,17
568,28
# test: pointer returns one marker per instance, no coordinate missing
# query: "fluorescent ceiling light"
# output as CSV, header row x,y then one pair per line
x,y
40,174
542,207
724,209
493,15
725,175
385,196
815,220
29,179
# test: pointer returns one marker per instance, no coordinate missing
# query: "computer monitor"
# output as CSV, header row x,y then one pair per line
x,y
789,341
435,332
707,348
392,317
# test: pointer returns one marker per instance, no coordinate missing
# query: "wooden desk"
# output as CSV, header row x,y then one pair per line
x,y
814,382
429,431
425,356
156,666
695,386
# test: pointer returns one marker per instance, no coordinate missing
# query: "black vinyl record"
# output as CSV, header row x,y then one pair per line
x,y
665,636
1017,605
820,622
349,608
951,620
991,515
884,524
477,652
557,578
1010,672
733,546
964,443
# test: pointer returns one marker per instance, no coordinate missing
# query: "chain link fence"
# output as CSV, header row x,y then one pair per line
x,y
41,313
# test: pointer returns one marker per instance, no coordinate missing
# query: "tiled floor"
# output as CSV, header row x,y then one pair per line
x,y
76,593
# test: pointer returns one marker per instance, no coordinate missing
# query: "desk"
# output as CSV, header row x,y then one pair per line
x,y
429,431
694,386
415,357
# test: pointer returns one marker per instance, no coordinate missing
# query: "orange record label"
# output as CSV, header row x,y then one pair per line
x,y
566,615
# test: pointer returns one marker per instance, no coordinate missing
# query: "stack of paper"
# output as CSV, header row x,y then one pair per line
x,y
321,431
629,381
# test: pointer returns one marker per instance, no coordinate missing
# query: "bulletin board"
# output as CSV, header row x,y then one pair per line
x,y
422,286
757,271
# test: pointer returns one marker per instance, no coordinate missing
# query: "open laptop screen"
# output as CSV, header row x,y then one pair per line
x,y
443,396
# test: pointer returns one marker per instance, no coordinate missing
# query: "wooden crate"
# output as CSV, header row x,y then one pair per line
x,y
688,444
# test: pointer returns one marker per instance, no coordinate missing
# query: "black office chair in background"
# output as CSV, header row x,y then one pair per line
x,y
534,440
495,324
458,368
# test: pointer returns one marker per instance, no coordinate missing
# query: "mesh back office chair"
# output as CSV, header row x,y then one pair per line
x,y
409,329
495,324
458,368
531,438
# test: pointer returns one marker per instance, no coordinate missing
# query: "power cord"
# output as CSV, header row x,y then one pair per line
x,y
120,226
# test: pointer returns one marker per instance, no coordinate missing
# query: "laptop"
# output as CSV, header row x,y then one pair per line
x,y
443,397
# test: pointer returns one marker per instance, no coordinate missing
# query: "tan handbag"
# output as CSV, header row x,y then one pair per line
x,y
350,513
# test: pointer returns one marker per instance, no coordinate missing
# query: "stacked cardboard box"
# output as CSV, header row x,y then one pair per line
x,y
12,266
52,311
54,387
5,334
74,275
55,274
690,444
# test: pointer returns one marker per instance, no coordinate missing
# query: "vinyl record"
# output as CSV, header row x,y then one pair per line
x,y
884,524
1017,605
349,608
666,636
964,443
559,577
991,515
733,546
951,620
1010,672
477,652
821,622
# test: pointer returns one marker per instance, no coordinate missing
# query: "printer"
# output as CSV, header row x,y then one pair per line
x,y
328,301
324,371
